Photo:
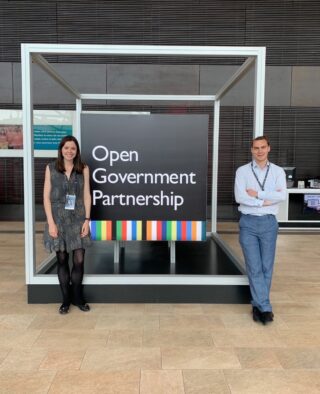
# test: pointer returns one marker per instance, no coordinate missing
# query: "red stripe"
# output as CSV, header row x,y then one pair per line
x,y
124,230
159,230
184,230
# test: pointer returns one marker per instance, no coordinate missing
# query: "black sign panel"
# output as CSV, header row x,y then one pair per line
x,y
146,167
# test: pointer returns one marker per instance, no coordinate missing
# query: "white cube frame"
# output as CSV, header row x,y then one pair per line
x,y
33,53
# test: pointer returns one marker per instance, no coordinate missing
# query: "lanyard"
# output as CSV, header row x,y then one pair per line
x,y
257,179
71,186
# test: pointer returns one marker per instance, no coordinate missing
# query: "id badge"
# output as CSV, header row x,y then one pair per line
x,y
70,201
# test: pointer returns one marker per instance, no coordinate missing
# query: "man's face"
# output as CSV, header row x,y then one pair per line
x,y
260,150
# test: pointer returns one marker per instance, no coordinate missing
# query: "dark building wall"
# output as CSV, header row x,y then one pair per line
x,y
290,30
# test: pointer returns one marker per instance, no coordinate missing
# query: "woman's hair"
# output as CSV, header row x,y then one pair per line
x,y
78,164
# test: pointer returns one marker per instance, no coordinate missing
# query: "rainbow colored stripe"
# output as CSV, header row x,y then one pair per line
x,y
150,230
173,230
101,230
129,230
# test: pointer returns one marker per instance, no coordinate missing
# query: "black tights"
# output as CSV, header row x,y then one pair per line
x,y
74,292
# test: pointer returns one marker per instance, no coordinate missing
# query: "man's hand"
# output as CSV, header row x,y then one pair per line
x,y
266,203
252,193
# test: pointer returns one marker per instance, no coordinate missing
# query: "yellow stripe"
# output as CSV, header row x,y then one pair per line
x,y
174,230
139,230
103,230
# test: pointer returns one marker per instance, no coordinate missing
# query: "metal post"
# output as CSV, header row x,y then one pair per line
x,y
28,163
77,131
172,245
259,91
215,153
116,252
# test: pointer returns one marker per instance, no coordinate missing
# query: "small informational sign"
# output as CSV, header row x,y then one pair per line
x,y
148,175
48,137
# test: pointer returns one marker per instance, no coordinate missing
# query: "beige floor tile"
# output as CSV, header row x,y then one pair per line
x,y
199,358
26,382
26,359
262,358
125,338
257,382
167,338
294,308
3,353
105,382
302,382
72,320
18,338
16,321
186,309
14,298
222,309
205,382
299,337
122,359
62,360
161,382
11,286
10,307
299,358
72,339
100,309
190,322
159,309
301,322
240,338
280,296
127,322
129,309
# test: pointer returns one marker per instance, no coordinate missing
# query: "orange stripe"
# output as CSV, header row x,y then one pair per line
x,y
194,231
149,230
109,230
124,230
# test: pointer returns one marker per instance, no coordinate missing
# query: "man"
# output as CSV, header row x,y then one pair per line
x,y
259,188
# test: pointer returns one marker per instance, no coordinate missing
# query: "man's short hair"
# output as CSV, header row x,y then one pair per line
x,y
261,138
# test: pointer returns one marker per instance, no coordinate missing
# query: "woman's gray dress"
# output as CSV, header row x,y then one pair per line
x,y
69,222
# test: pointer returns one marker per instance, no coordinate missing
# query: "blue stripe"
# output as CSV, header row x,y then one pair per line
x,y
179,230
164,230
204,231
189,230
94,230
134,230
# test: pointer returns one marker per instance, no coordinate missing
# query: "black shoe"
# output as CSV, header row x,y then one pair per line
x,y
256,314
83,307
267,317
64,308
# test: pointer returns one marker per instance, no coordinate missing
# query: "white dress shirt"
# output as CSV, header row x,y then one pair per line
x,y
275,188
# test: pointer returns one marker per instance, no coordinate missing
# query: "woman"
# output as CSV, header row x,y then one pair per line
x,y
67,204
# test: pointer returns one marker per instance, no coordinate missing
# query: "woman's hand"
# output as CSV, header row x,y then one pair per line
x,y
53,230
85,229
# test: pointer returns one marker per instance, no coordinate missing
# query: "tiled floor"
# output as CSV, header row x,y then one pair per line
x,y
160,348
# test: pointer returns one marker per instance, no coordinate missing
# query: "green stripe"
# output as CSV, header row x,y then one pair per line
x,y
119,230
98,230
169,237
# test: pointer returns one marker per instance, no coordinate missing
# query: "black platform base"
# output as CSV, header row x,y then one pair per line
x,y
222,294
200,259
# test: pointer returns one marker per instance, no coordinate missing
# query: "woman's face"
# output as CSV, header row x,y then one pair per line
x,y
69,150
